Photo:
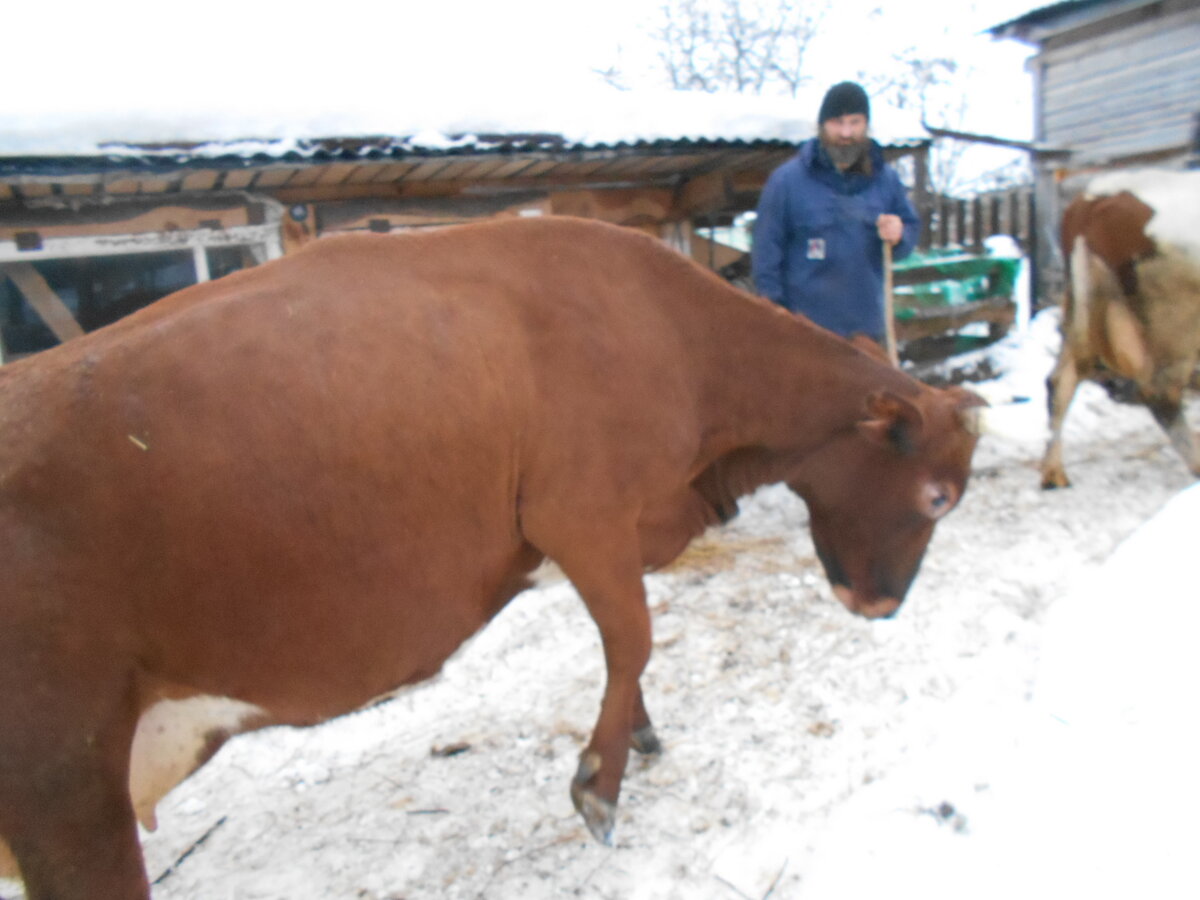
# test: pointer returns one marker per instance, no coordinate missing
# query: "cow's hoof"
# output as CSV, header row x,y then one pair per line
x,y
598,813
1054,476
645,741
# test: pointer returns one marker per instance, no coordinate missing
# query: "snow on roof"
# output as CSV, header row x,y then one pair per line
x,y
591,116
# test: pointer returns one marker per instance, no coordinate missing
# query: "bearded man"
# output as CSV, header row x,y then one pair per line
x,y
822,217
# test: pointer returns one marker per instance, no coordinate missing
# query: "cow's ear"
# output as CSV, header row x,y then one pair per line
x,y
892,422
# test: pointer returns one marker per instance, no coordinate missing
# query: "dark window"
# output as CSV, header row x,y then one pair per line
x,y
100,290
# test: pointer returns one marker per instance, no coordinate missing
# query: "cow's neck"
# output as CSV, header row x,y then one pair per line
x,y
777,388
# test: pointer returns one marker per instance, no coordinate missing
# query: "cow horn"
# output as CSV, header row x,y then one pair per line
x,y
1007,420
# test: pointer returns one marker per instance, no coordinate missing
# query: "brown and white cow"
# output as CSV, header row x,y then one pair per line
x,y
275,497
1132,306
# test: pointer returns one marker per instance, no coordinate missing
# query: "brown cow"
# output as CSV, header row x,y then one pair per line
x,y
1132,306
276,497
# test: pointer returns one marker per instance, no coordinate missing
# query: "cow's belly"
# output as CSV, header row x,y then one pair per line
x,y
329,673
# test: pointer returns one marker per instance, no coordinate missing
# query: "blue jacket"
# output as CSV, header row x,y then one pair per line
x,y
816,248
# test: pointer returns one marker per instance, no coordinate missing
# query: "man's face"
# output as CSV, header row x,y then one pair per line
x,y
845,138
845,130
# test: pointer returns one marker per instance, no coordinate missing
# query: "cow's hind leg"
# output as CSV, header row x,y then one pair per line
x,y
643,739
1168,412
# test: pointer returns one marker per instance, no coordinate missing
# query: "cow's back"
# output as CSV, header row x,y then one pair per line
x,y
1132,242
324,459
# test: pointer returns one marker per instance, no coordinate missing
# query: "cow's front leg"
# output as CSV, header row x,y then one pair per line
x,y
65,809
1060,390
617,603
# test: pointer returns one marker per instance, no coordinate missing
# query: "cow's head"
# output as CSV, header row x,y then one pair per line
x,y
875,491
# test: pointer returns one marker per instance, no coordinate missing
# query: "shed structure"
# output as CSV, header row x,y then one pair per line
x,y
1116,85
87,238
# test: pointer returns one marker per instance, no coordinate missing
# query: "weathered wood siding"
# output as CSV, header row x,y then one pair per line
x,y
1125,87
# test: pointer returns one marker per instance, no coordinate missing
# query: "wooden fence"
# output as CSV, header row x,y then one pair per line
x,y
954,221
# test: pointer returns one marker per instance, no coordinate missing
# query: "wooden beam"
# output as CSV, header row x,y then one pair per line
x,y
35,189
41,297
392,172
271,178
236,179
336,173
204,180
621,207
708,193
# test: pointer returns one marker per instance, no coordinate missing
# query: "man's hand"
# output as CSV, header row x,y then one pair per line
x,y
891,228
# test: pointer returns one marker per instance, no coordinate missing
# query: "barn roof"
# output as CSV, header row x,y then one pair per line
x,y
608,139
1038,23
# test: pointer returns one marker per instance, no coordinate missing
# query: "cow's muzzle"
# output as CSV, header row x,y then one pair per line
x,y
872,608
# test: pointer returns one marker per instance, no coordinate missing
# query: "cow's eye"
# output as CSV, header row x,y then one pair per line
x,y
937,499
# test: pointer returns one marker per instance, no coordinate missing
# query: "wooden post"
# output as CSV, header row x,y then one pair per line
x,y
200,262
889,306
45,302
924,200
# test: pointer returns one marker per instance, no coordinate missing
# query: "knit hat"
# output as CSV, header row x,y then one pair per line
x,y
844,99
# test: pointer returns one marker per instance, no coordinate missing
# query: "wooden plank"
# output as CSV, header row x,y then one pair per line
x,y
122,186
363,174
621,166
155,185
672,164
237,179
427,170
35,189
513,168
167,217
336,173
453,170
305,177
483,169
541,167
392,172
152,242
275,177
45,302
203,180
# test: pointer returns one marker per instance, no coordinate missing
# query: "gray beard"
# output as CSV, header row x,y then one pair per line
x,y
844,156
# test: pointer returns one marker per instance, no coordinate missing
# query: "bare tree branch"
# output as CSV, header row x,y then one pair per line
x,y
747,46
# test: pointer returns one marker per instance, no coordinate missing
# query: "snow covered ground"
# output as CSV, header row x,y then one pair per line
x,y
809,753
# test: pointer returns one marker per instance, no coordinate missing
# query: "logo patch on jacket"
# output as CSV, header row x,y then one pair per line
x,y
816,248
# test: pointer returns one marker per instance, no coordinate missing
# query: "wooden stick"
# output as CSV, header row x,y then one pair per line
x,y
889,305
195,845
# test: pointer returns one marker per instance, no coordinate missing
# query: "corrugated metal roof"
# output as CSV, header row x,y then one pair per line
x,y
1038,23
299,170
248,154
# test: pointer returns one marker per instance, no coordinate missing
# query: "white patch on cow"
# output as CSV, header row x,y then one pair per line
x,y
171,740
1174,197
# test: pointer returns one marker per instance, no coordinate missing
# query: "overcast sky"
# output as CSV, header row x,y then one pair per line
x,y
138,59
